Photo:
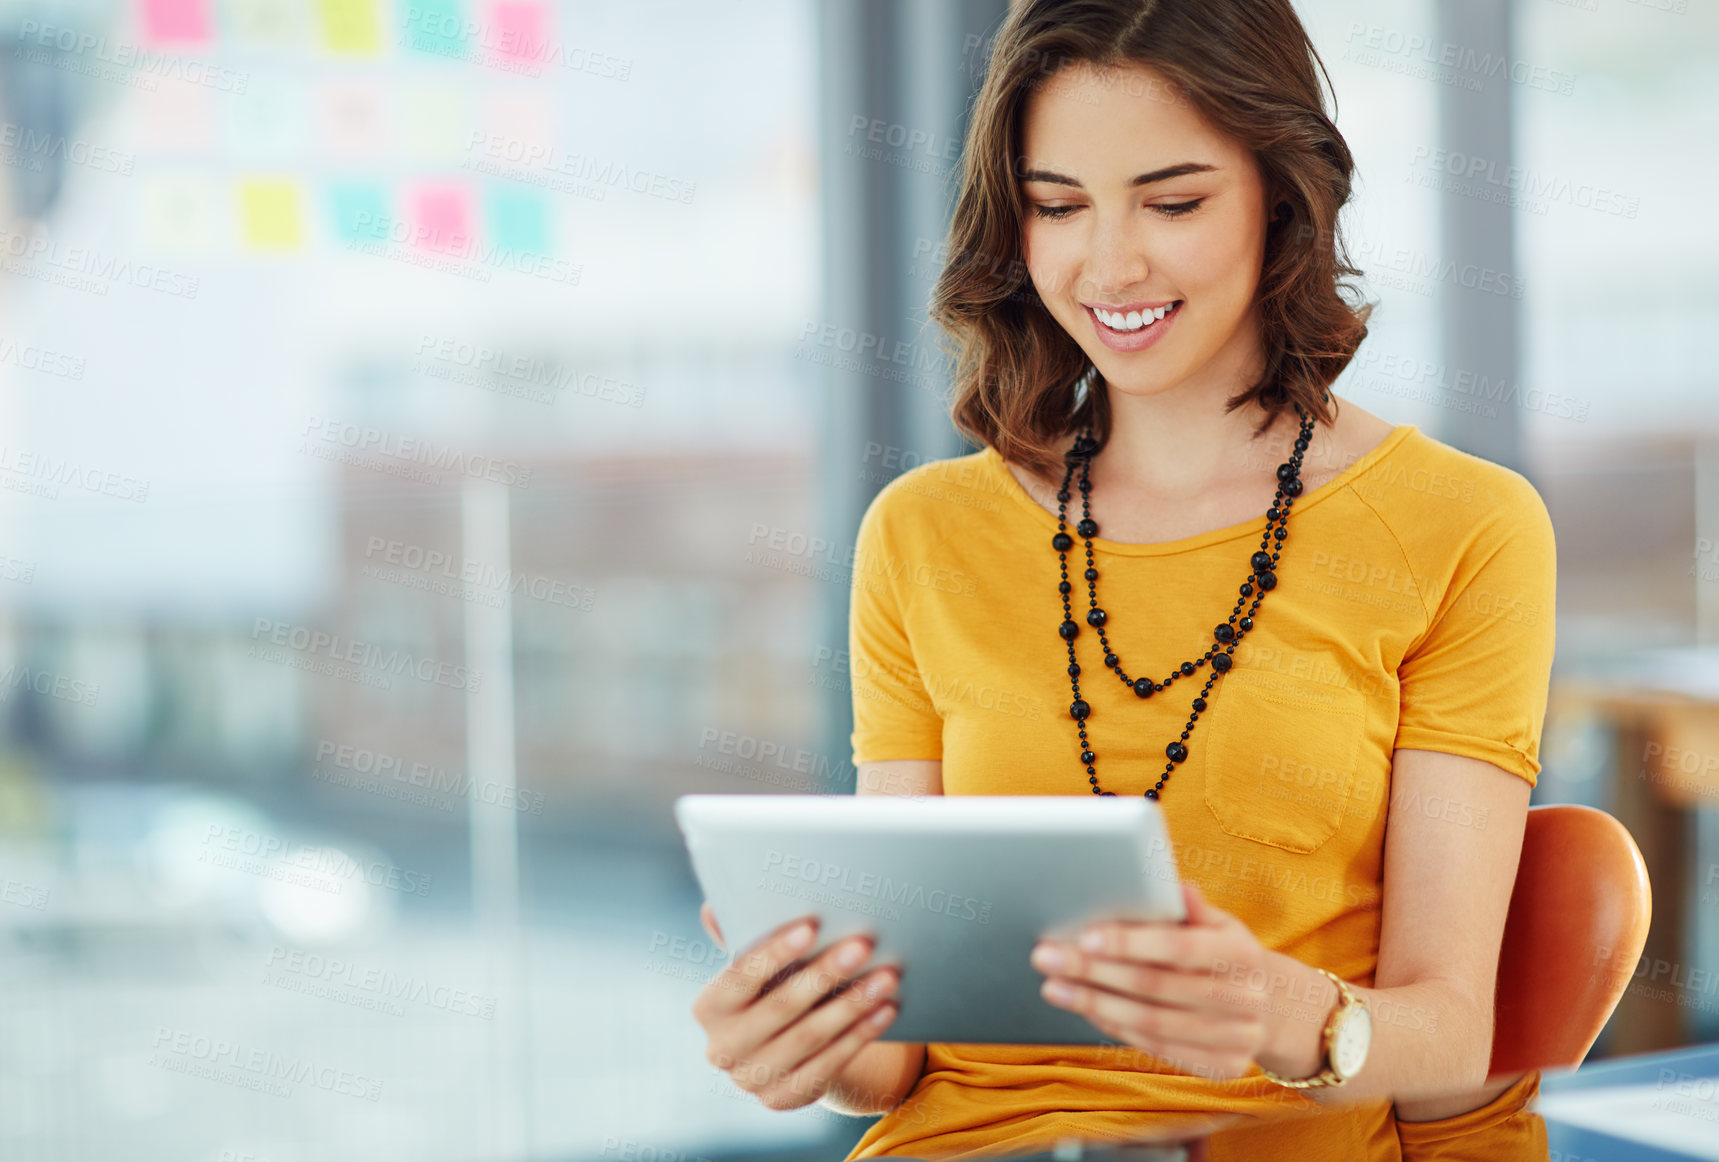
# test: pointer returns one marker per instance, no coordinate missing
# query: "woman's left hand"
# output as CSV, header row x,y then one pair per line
x,y
1192,995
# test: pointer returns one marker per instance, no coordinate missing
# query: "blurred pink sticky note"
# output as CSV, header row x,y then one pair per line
x,y
442,217
352,120
520,28
525,118
176,117
177,21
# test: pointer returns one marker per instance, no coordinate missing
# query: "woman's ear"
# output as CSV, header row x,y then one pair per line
x,y
1282,214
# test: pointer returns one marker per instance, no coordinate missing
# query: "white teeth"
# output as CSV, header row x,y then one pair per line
x,y
1133,320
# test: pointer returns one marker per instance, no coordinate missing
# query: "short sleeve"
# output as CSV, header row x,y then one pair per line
x,y
1476,681
894,717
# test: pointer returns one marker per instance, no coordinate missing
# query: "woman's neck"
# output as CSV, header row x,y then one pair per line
x,y
1178,447
1137,499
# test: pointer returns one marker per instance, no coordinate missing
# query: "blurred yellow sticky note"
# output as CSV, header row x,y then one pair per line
x,y
351,26
271,214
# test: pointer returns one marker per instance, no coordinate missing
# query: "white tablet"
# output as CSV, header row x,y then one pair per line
x,y
956,890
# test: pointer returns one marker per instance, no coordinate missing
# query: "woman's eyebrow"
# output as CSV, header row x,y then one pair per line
x,y
1145,179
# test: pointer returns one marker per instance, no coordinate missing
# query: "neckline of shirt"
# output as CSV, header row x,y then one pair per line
x,y
1252,527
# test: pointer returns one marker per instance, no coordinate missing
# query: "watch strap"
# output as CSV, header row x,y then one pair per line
x,y
1327,1076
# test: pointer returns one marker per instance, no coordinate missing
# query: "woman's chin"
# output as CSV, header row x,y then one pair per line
x,y
1128,381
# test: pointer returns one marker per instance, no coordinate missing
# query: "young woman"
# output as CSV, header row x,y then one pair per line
x,y
1194,574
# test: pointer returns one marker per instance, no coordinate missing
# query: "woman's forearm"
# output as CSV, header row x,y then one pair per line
x,y
1428,1040
877,1079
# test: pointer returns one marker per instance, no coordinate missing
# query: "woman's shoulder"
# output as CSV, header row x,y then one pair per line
x,y
1441,476
935,494
1439,500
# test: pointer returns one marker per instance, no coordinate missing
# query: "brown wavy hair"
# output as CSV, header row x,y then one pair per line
x,y
1021,381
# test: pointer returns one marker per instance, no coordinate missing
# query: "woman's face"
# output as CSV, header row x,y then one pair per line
x,y
1133,204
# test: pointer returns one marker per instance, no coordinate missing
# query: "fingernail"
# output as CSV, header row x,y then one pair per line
x,y
851,955
800,935
1092,941
1048,958
882,986
1055,990
883,1015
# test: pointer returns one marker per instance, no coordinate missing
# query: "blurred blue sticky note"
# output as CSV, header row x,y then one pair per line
x,y
518,219
268,121
434,26
360,211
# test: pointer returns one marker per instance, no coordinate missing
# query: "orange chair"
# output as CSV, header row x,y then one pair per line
x,y
1578,920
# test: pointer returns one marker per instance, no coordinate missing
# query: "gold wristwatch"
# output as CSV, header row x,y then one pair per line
x,y
1348,1033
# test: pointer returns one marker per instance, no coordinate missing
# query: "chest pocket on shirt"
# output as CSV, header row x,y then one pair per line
x,y
1280,758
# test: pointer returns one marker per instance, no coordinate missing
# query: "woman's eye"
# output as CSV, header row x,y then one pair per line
x,y
1170,210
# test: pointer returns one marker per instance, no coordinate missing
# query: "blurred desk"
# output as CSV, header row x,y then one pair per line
x,y
1649,1107
1663,706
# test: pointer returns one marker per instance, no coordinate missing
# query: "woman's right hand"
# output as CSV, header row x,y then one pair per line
x,y
787,1040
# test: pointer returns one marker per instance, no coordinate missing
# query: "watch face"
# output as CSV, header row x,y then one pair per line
x,y
1350,1041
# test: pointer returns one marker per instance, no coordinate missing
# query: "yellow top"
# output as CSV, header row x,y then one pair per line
x,y
1414,609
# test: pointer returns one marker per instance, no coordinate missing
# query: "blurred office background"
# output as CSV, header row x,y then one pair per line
x,y
432,434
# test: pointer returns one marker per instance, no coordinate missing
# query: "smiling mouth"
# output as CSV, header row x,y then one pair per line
x,y
1133,321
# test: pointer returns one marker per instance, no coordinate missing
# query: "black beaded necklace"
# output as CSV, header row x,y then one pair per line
x,y
1262,578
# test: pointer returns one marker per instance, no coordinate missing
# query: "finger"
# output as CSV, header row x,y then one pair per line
x,y
736,986
1164,986
798,993
816,1074
708,919
793,1046
1201,1029
1189,947
1193,1059
1215,1065
1123,1051
757,1062
1200,910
